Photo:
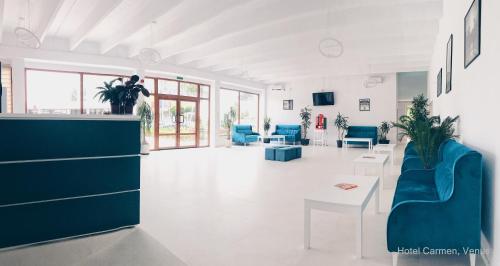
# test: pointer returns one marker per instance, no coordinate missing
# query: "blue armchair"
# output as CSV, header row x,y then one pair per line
x,y
362,132
243,134
439,208
292,133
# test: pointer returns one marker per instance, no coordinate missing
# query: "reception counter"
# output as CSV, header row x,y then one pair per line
x,y
64,176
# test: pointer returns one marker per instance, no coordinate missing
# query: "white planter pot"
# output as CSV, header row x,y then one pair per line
x,y
145,148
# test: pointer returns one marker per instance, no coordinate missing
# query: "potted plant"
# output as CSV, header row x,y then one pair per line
x,y
427,132
227,123
384,128
124,96
129,93
144,111
109,93
341,123
267,126
305,115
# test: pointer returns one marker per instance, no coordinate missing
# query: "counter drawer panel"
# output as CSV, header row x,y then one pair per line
x,y
32,223
50,139
47,180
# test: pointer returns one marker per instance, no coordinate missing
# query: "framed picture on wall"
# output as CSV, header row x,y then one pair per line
x,y
287,104
472,33
364,104
439,82
449,61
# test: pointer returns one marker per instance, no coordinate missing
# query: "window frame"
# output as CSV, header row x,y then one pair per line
x,y
239,105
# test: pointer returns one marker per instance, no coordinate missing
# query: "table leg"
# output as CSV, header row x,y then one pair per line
x,y
359,237
307,226
392,157
377,199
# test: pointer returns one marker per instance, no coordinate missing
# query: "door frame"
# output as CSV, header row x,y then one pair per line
x,y
178,100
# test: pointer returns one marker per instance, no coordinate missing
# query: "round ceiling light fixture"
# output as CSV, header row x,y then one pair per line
x,y
149,55
27,38
331,48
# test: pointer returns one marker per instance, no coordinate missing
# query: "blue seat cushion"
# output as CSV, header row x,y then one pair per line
x,y
414,190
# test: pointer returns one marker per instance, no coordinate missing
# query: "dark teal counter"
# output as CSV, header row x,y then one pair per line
x,y
66,176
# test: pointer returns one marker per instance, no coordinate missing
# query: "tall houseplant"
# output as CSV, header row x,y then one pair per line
x,y
144,111
384,128
427,132
305,115
267,126
228,122
342,124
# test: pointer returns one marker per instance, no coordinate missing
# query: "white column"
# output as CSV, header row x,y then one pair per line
x,y
18,85
214,113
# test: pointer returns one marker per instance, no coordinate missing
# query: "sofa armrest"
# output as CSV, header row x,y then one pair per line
x,y
238,137
416,225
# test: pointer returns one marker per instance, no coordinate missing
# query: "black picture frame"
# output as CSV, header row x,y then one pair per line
x,y
439,81
472,33
449,63
287,104
364,105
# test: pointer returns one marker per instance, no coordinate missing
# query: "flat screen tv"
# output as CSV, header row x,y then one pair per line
x,y
323,98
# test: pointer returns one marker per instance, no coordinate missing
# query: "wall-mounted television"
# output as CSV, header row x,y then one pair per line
x,y
323,98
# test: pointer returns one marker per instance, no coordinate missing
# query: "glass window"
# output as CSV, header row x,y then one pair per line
x,y
204,91
7,86
52,92
249,109
204,122
189,89
228,99
92,104
167,87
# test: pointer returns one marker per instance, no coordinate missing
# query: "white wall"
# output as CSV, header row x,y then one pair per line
x,y
348,91
474,96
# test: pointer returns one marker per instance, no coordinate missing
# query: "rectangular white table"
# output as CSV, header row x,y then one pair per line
x,y
334,199
385,148
373,160
367,140
279,138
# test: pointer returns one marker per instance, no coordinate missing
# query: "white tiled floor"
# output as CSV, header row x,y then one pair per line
x,y
231,207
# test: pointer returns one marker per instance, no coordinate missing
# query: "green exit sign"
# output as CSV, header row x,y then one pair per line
x,y
180,78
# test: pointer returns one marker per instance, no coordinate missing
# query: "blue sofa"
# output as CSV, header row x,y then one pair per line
x,y
411,159
292,133
362,132
243,134
439,208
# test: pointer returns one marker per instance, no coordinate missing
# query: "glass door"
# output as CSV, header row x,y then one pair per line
x,y
178,123
188,124
167,133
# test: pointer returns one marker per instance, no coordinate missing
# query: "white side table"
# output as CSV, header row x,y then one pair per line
x,y
374,160
320,137
334,199
380,148
367,140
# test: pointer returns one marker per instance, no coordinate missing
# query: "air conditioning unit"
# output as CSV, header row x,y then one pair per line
x,y
373,81
277,87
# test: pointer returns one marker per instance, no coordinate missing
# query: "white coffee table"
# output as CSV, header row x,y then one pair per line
x,y
334,199
374,160
279,138
385,148
367,140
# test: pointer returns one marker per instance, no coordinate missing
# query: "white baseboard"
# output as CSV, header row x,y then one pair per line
x,y
487,251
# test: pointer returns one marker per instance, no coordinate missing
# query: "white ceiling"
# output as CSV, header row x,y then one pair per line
x,y
263,40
